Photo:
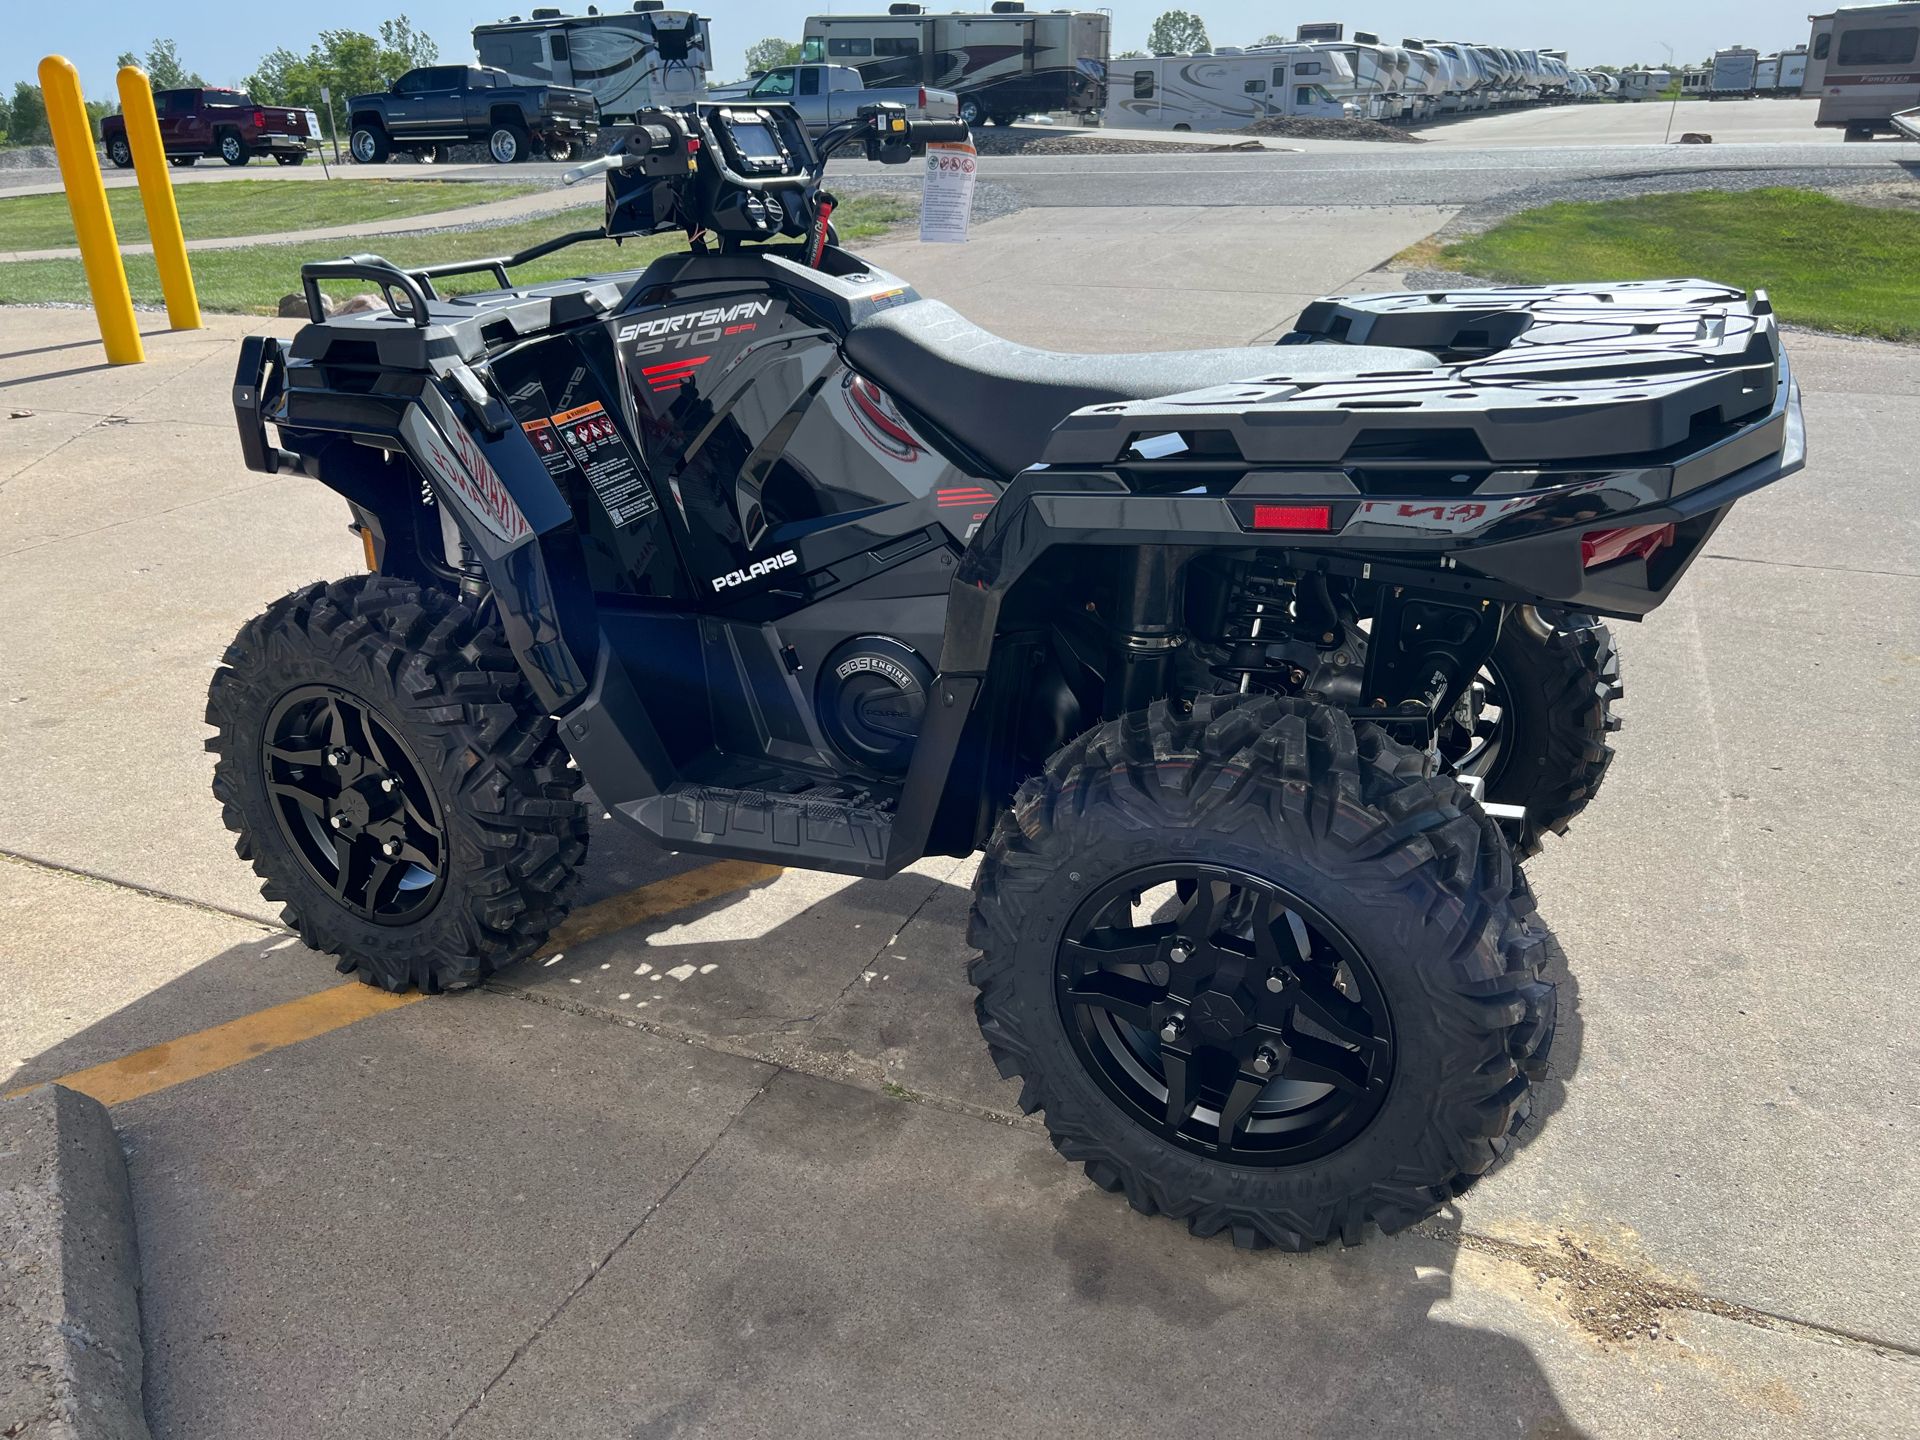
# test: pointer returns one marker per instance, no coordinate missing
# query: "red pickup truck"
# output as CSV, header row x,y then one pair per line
x,y
226,123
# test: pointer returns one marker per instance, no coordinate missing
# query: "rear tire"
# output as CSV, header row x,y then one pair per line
x,y
508,144
387,704
183,161
290,159
1412,882
1557,681
120,153
560,151
972,112
234,150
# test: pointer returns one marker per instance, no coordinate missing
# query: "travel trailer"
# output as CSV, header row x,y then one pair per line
x,y
1225,91
628,61
1864,64
1002,63
1793,71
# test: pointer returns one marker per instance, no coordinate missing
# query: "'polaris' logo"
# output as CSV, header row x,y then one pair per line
x,y
695,320
756,570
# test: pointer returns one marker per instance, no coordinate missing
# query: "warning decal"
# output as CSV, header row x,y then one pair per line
x,y
590,438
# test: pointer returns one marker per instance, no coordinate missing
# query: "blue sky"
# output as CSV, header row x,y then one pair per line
x,y
222,42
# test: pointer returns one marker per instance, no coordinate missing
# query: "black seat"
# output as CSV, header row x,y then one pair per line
x,y
1002,400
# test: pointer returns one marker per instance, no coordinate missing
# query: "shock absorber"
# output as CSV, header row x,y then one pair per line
x,y
1148,629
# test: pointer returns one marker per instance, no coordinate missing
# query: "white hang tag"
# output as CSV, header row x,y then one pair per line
x,y
946,200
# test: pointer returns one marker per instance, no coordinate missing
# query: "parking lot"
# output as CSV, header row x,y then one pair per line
x,y
729,1157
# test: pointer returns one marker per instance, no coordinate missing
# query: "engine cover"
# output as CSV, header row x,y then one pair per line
x,y
872,697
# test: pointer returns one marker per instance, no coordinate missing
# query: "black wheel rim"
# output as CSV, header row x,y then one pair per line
x,y
354,804
1477,737
1224,1014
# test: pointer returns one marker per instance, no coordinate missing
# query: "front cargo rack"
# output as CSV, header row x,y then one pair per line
x,y
1540,376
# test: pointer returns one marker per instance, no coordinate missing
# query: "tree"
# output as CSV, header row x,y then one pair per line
x,y
1179,32
771,52
163,67
407,45
6,118
347,62
27,119
1273,40
1131,55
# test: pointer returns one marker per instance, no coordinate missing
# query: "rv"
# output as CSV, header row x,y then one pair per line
x,y
1793,71
1865,67
628,61
1002,64
1696,80
1766,75
1224,91
1644,84
1733,74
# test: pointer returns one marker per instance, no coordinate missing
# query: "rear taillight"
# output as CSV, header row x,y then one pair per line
x,y
1600,548
923,98
1292,517
259,119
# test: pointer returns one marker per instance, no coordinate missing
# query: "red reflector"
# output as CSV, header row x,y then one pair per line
x,y
693,145
1632,542
1292,517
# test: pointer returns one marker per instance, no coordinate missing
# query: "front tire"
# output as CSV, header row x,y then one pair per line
x,y
1351,972
369,145
394,784
120,153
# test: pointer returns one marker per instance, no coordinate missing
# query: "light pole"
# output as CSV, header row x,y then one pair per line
x,y
1678,83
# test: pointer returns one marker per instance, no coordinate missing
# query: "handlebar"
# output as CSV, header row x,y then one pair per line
x,y
593,168
937,132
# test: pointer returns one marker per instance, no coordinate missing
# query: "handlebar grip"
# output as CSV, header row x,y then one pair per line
x,y
934,132
592,168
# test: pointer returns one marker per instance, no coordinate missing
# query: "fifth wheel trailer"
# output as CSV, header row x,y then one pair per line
x,y
1224,91
1865,67
1002,63
628,61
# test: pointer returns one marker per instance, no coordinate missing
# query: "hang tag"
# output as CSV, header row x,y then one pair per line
x,y
946,200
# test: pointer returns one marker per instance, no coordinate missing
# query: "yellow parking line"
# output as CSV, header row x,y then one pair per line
x,y
649,902
160,1067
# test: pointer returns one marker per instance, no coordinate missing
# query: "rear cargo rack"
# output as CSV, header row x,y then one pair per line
x,y
1539,376
417,284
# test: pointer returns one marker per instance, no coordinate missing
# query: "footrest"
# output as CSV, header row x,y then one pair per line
x,y
822,828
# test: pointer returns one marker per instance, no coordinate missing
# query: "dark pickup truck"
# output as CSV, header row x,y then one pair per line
x,y
440,105
227,123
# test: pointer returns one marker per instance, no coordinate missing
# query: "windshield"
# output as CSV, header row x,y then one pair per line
x,y
774,82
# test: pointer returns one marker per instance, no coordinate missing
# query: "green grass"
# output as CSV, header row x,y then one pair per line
x,y
250,280
251,207
1827,264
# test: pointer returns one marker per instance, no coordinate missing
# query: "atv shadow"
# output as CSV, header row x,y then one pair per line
x,y
1382,1339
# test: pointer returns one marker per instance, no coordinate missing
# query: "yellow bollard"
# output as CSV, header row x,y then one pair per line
x,y
92,221
156,194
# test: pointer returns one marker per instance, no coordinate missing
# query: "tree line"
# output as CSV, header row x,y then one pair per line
x,y
347,62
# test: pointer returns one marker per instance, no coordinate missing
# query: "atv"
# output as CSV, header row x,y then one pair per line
x,y
1252,671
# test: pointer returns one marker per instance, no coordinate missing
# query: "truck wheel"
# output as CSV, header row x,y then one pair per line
x,y
508,144
394,783
183,161
1262,971
1535,725
971,111
120,153
427,154
290,159
560,151
233,149
369,145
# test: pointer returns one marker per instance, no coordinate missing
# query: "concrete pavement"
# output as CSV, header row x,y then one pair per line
x,y
745,1169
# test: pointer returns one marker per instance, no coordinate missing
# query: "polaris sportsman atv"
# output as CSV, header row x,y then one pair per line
x,y
1233,662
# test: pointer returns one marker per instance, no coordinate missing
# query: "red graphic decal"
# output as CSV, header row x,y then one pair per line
x,y
953,499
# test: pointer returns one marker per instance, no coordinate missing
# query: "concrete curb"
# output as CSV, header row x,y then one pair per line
x,y
70,1359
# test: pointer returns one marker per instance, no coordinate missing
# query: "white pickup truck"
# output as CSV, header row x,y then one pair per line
x,y
827,94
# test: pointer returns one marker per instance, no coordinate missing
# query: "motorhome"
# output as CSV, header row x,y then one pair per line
x,y
628,61
1003,63
1864,64
1225,91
